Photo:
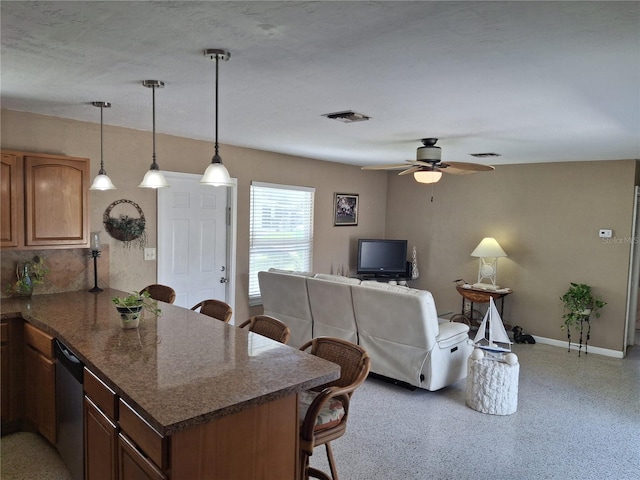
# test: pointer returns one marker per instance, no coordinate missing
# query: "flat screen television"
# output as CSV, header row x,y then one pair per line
x,y
384,258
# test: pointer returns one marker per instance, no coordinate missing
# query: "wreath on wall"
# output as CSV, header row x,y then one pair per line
x,y
125,228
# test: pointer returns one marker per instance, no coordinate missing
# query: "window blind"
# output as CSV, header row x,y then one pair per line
x,y
280,231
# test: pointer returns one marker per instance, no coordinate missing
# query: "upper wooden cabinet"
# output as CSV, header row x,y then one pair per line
x,y
11,204
45,201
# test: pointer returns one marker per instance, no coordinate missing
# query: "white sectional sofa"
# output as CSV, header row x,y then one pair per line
x,y
397,325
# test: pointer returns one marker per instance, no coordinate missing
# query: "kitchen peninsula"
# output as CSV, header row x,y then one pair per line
x,y
192,396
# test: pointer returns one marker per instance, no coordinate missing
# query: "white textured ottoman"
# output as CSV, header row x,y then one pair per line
x,y
492,386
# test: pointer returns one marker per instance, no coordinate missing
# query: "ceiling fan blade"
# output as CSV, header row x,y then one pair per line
x,y
464,168
410,170
398,166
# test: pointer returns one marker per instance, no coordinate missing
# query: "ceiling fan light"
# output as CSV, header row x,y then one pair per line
x,y
216,175
153,179
102,182
427,176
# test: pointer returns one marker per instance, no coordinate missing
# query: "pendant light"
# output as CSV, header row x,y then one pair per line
x,y
102,181
216,173
154,177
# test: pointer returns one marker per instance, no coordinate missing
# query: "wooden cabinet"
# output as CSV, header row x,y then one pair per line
x,y
12,377
100,430
40,381
133,464
45,201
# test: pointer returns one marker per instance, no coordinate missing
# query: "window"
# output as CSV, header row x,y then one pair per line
x,y
280,231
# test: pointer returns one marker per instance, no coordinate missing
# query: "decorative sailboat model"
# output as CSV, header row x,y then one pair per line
x,y
491,336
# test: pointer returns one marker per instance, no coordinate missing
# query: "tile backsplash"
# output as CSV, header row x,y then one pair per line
x,y
69,269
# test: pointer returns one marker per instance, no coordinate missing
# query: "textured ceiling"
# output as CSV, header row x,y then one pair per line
x,y
533,81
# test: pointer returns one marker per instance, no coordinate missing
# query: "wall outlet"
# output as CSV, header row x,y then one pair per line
x,y
149,254
605,233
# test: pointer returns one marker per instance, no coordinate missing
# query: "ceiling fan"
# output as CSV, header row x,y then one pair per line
x,y
427,167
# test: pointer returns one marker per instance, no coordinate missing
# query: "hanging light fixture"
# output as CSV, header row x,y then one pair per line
x,y
216,173
154,177
102,181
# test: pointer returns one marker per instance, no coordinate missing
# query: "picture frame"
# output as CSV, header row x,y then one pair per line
x,y
345,207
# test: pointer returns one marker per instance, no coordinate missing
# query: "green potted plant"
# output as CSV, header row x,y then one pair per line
x,y
579,304
130,306
29,275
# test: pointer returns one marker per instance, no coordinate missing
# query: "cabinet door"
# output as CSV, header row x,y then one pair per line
x,y
11,206
47,398
40,392
56,201
133,465
30,385
12,374
100,444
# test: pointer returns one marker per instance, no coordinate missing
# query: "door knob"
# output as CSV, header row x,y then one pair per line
x,y
223,280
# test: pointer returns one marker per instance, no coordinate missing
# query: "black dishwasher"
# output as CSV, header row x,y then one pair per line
x,y
69,395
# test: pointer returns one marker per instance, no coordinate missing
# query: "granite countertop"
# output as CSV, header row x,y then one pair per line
x,y
177,370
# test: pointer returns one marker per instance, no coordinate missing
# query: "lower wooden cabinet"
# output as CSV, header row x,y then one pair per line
x,y
40,381
11,362
100,430
100,444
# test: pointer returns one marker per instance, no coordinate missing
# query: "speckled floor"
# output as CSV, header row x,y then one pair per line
x,y
28,456
577,418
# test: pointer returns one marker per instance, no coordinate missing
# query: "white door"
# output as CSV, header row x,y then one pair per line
x,y
634,277
192,239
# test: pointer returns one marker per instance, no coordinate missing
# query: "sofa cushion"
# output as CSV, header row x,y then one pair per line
x,y
330,414
332,308
338,278
292,272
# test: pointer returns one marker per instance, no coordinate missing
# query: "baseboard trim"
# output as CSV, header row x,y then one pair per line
x,y
597,350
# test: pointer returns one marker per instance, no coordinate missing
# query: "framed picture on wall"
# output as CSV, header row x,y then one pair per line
x,y
346,209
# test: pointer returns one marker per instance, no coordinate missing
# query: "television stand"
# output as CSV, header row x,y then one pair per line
x,y
384,278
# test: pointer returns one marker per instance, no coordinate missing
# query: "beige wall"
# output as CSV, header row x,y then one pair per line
x,y
546,217
127,155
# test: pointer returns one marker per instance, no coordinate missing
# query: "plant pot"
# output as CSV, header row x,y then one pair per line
x,y
129,316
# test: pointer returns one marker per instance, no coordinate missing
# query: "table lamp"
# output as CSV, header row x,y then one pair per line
x,y
489,250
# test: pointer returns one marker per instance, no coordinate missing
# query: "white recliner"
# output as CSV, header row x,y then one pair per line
x,y
399,328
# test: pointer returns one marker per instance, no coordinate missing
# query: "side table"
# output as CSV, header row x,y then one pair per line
x,y
492,386
478,295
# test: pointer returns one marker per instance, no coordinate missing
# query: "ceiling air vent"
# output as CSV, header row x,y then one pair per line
x,y
348,116
485,155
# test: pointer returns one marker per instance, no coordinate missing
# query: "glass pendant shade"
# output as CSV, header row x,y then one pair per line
x,y
427,176
216,175
102,181
153,179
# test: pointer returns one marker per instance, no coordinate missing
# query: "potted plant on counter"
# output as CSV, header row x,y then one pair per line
x,y
129,308
579,304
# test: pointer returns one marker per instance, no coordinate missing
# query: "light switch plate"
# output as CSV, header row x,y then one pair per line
x,y
605,233
149,254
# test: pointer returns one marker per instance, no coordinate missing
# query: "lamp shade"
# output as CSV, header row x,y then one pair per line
x,y
153,179
488,247
427,176
216,175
